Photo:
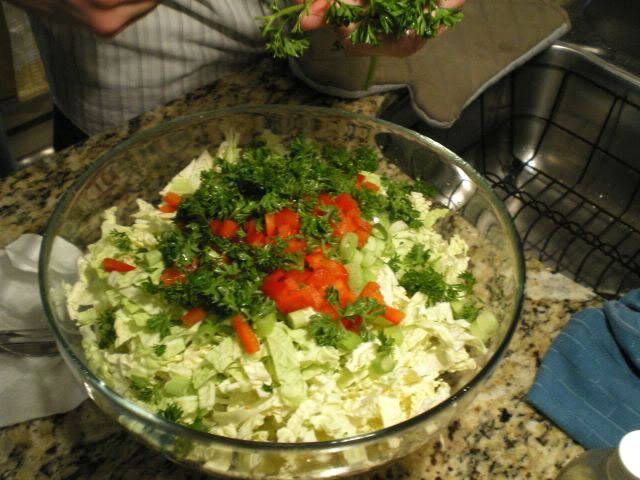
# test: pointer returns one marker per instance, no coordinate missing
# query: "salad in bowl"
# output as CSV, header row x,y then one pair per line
x,y
284,305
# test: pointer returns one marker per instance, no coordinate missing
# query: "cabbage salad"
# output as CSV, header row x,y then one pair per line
x,y
281,293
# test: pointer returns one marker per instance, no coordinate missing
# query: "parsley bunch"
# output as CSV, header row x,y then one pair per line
x,y
419,275
262,181
225,275
382,18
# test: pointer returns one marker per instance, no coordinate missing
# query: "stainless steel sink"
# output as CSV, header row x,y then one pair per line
x,y
557,139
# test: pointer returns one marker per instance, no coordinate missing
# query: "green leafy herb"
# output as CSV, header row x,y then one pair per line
x,y
382,18
172,412
468,282
470,310
141,388
178,247
395,262
160,323
198,422
418,256
387,344
325,331
120,240
328,332
105,330
429,282
367,309
159,349
399,203
282,30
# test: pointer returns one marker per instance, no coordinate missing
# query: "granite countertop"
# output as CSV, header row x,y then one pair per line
x,y
500,436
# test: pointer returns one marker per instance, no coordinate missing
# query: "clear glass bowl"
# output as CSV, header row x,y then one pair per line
x,y
141,166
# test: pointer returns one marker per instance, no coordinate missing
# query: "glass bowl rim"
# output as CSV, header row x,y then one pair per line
x,y
145,416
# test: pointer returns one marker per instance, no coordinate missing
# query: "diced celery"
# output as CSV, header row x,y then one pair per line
x,y
368,259
398,226
369,274
300,318
356,277
384,221
348,246
380,232
484,326
395,333
383,364
349,341
371,245
357,258
457,306
264,325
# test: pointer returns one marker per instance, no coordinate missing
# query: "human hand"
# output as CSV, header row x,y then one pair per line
x,y
392,46
105,18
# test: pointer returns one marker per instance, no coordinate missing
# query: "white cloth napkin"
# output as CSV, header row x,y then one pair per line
x,y
32,387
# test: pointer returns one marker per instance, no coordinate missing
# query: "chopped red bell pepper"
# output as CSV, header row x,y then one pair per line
x,y
193,316
164,208
246,335
372,290
295,245
273,282
325,200
171,202
172,275
215,225
254,237
287,223
113,265
362,182
347,204
270,224
172,198
228,229
293,299
349,213
394,315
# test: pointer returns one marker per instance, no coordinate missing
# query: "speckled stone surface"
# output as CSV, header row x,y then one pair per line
x,y
500,436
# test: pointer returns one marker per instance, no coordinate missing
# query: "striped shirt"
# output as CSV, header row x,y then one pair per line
x,y
179,46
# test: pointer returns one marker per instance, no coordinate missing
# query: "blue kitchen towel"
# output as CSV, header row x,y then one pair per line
x,y
589,381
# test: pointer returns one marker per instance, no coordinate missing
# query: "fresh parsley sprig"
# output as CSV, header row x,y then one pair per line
x,y
105,328
172,412
381,18
282,30
418,274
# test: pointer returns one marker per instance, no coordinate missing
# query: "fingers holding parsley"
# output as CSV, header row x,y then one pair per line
x,y
381,28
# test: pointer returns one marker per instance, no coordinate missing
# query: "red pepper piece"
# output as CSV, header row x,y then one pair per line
x,y
246,335
215,225
172,275
113,265
172,198
228,229
193,316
